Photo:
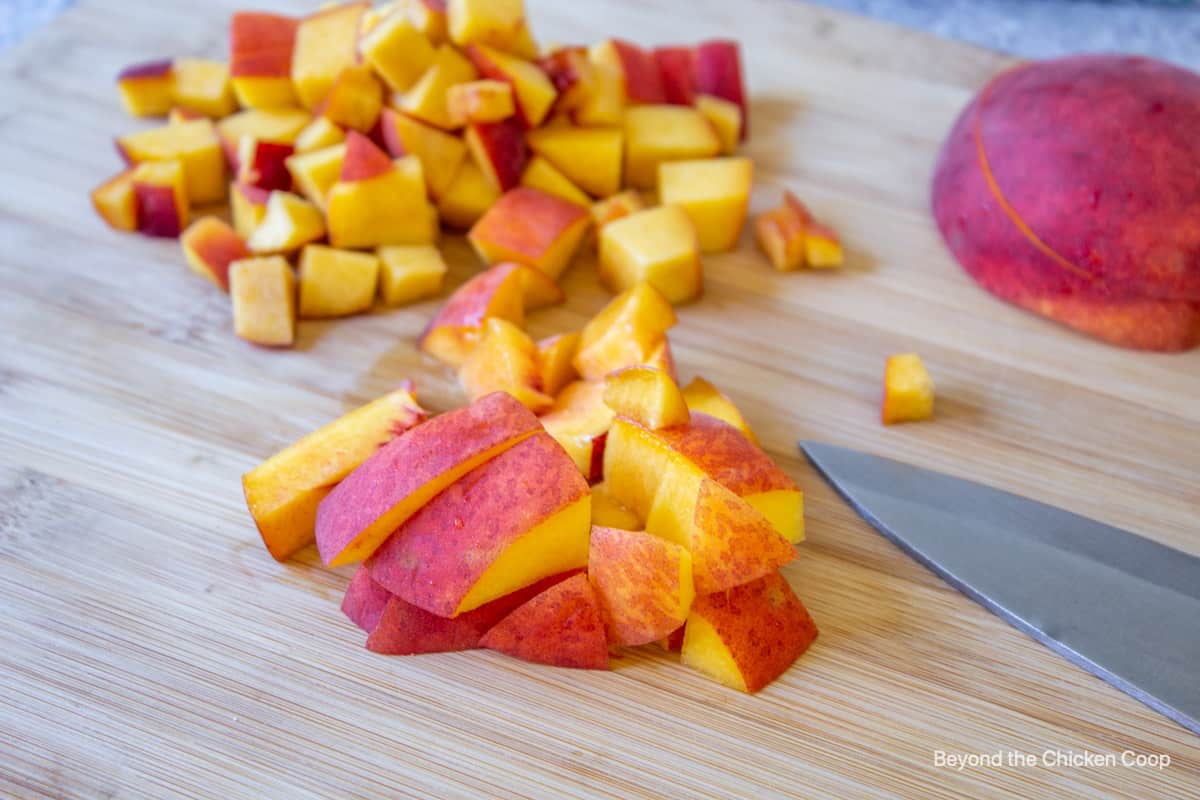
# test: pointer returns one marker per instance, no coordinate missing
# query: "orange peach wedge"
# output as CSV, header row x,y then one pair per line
x,y
658,246
702,397
561,627
377,202
579,420
626,332
531,227
644,584
505,360
646,395
210,246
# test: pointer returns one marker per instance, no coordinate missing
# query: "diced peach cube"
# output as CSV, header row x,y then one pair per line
x,y
532,89
467,198
276,125
203,86
498,23
616,207
640,77
161,196
480,101
726,119
556,355
907,390
397,51
264,300
146,89
533,228
541,174
654,134
247,206
626,332
714,193
210,246
326,43
115,201
336,283
505,360
379,202
440,153
426,100
591,158
658,246
354,100
410,273
194,144
290,223
646,395
260,59
781,237
318,134
317,171
499,149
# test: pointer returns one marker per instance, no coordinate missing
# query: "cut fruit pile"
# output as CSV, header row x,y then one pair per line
x,y
631,513
345,141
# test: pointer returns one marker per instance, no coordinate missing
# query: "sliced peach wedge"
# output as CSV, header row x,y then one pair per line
x,y
630,330
531,227
701,396
403,476
644,584
284,491
517,518
505,360
647,395
562,627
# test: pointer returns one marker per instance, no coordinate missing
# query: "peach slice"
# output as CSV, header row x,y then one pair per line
x,y
426,100
247,206
336,283
210,246
264,301
441,154
404,475
498,23
626,332
160,198
726,119
275,125
781,234
571,73
290,223
397,51
409,273
643,582
264,164
194,144
505,360
505,291
531,227
498,148
658,246
354,100
639,73
591,158
555,355
677,69
579,420
260,59
907,390
731,459
661,358
467,198
714,193
520,517
203,86
319,134
658,133
326,43
719,73
365,601
601,97
730,542
542,175
379,202
480,101
561,627
646,395
428,17
822,247
116,202
404,629
533,91
609,513
284,491
748,636
701,396
146,89
317,171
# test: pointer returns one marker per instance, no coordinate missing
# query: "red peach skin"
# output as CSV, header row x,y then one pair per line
x,y
561,627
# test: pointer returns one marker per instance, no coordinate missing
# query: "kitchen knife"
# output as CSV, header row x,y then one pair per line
x,y
1119,605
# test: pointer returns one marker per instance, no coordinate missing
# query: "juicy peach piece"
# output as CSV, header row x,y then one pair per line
x,y
397,51
748,636
317,171
540,174
336,283
643,582
532,90
658,133
609,513
907,390
404,629
781,237
677,69
522,516
326,43
554,357
274,125
714,193
247,206
202,85
480,101
264,300
355,99
194,144
409,273
562,627
426,100
498,23
210,246
625,333
365,601
379,202
160,197
498,148
290,223
616,207
505,291
441,154
579,421
146,89
646,395
260,59
719,73
531,227
284,491
116,202
264,164
589,157
726,119
467,198
640,77
658,246
318,134
505,360
701,396
404,475
822,247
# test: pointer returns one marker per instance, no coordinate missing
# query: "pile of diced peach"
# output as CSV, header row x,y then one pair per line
x,y
345,142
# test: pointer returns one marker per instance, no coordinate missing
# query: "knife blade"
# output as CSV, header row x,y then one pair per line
x,y
1117,604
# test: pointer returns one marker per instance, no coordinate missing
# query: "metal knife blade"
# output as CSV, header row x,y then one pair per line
x,y
1117,604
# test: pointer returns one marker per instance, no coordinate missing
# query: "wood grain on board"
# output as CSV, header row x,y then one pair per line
x,y
151,648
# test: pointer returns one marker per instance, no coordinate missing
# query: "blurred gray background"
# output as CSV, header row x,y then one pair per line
x,y
1034,28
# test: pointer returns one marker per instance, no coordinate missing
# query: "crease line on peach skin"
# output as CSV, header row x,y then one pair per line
x,y
1011,212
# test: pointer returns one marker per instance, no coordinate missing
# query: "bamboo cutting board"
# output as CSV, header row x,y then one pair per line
x,y
150,647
